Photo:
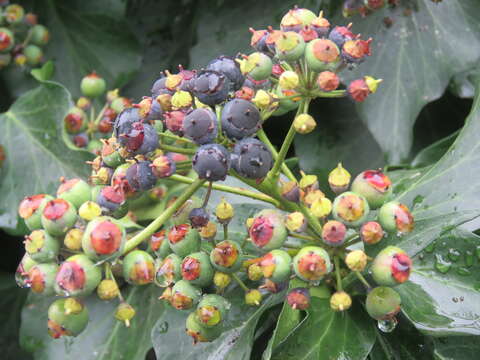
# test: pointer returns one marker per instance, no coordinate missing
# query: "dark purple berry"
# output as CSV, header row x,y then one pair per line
x,y
140,176
174,121
159,87
110,198
124,122
240,118
200,125
211,87
257,84
340,34
149,109
198,217
251,158
80,140
230,68
141,139
211,162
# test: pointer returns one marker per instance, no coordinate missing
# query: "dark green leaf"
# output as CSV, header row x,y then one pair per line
x,y
104,338
35,159
45,72
431,154
235,343
456,348
416,57
326,334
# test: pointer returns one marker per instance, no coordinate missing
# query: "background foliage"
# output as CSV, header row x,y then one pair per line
x,y
415,124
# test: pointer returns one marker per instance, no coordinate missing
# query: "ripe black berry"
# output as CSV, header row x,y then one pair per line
x,y
251,158
211,162
228,67
140,176
198,217
211,87
124,121
141,139
240,118
200,125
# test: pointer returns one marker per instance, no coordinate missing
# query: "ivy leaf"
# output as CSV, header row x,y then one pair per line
x,y
326,334
427,44
104,338
35,159
45,72
235,343
456,348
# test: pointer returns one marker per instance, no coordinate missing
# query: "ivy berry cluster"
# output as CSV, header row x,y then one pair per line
x,y
193,130
21,37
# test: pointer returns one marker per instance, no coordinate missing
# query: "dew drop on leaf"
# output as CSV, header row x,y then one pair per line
x,y
387,326
463,271
441,264
469,258
454,254
430,247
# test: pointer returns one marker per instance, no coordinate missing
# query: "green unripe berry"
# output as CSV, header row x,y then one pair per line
x,y
107,290
196,269
33,54
253,297
256,65
14,13
125,312
183,239
41,278
392,266
322,54
169,271
104,238
211,310
276,265
7,40
39,35
184,295
200,333
374,185
110,155
340,301
58,216
31,209
268,230
290,46
226,256
41,246
221,280
304,124
356,260
350,208
396,217
62,324
21,274
312,263
383,303
93,85
77,276
158,243
138,268
76,191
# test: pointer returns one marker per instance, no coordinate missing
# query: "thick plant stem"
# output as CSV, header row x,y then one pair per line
x,y
164,216
230,189
362,279
263,137
177,149
337,273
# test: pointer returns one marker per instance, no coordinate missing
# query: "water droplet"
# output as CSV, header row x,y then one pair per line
x,y
463,271
163,327
441,264
455,299
430,247
454,254
469,258
418,200
387,326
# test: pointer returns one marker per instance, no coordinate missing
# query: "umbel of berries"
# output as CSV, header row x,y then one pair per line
x,y
226,256
31,209
62,321
374,185
58,216
251,158
268,230
138,268
77,276
312,263
392,266
104,238
240,118
211,162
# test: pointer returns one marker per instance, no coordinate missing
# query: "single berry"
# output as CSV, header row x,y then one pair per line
x,y
21,274
112,201
209,231
290,191
304,124
124,123
199,332
311,196
245,93
200,125
149,109
163,166
77,276
322,54
253,297
371,232
41,246
141,139
73,239
61,323
140,176
312,263
394,216
268,230
340,301
211,162
7,40
226,256
299,298
41,278
181,100
271,39
383,303
392,266
212,310
58,216
33,54
107,290
333,233
296,222
89,210
321,207
252,159
228,67
221,280
258,40
138,268
308,183
184,295
31,209
76,191
104,238
256,85
224,212
14,14
168,271
93,85
125,312
360,89
339,179
355,51
356,260
350,208
328,81
374,185
174,121
120,104
320,25
84,103
211,87
240,118
276,265
254,272
308,33
75,121
340,34
158,243
196,269
290,46
257,65
198,217
289,80
265,100
183,239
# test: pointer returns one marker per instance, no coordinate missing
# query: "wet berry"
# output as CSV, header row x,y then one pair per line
x,y
371,232
312,263
392,266
183,239
196,269
252,159
61,323
168,271
383,303
395,217
240,118
211,162
268,230
104,238
226,256
276,265
31,209
77,276
138,268
200,125
58,216
333,233
299,298
228,67
41,246
350,208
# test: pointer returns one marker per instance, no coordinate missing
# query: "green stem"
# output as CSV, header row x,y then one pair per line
x,y
175,137
164,216
264,138
303,237
100,114
240,282
362,279
331,94
225,231
230,189
109,275
207,195
177,149
337,273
